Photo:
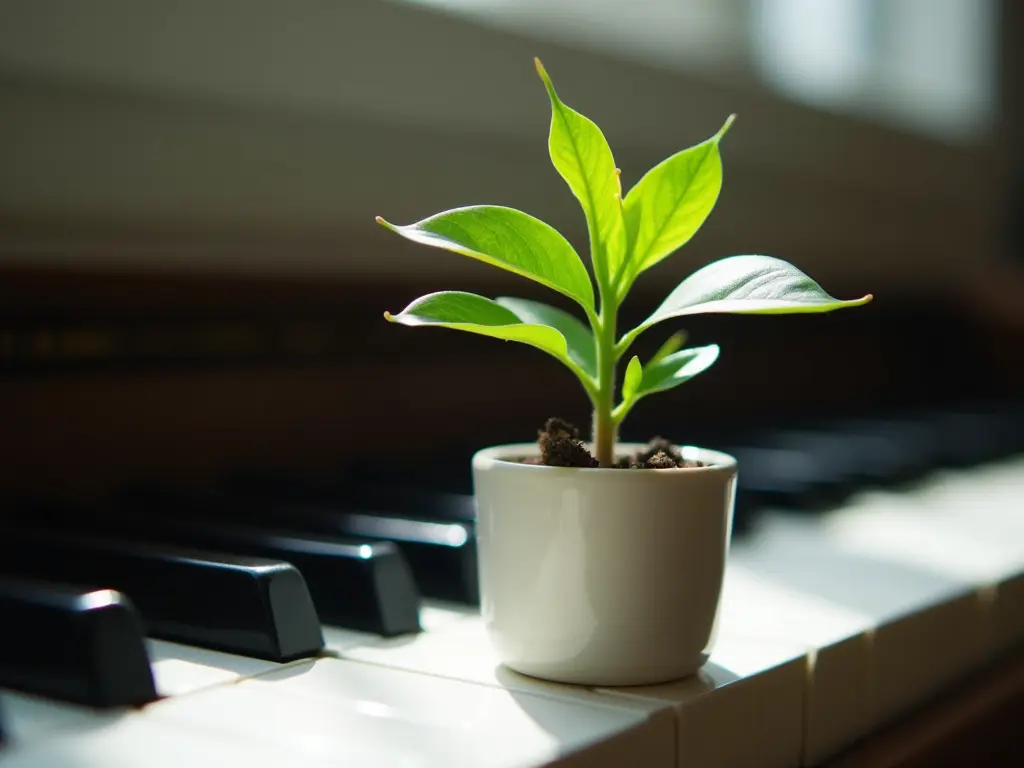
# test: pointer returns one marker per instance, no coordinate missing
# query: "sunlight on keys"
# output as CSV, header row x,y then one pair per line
x,y
757,681
922,628
838,640
749,686
181,669
135,738
368,714
965,526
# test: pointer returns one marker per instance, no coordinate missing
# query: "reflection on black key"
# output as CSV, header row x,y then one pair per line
x,y
442,555
78,645
362,586
441,552
244,605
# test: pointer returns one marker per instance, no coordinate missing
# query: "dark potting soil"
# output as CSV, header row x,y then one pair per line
x,y
561,446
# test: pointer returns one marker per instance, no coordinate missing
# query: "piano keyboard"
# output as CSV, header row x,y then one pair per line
x,y
336,624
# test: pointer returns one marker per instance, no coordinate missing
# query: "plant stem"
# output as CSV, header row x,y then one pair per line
x,y
605,427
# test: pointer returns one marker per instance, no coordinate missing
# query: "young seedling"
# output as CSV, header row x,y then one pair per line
x,y
628,235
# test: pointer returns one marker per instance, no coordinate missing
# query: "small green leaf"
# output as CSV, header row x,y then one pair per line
x,y
674,369
672,344
581,155
744,285
669,204
578,338
631,382
509,239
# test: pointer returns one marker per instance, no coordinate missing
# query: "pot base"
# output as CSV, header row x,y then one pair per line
x,y
606,677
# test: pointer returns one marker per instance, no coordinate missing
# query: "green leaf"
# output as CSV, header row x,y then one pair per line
x,y
476,314
581,155
669,204
631,381
578,338
672,344
509,239
744,285
674,369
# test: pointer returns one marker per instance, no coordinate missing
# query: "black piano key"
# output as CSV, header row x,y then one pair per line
x,y
969,435
3,729
366,586
854,460
785,478
442,553
361,585
244,605
74,644
912,439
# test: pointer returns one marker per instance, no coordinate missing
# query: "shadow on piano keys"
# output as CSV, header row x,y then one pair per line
x,y
278,620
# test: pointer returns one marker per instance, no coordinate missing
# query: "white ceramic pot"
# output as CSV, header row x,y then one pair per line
x,y
602,576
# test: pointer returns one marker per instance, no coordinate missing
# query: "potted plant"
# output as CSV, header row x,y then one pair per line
x,y
601,563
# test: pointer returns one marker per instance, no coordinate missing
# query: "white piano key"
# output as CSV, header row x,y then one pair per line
x,y
437,614
838,706
181,669
926,627
30,719
367,715
984,507
461,651
743,709
464,653
879,525
134,739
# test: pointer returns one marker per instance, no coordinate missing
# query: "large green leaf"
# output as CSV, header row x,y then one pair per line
x,y
509,239
581,155
745,285
578,338
674,369
476,314
669,204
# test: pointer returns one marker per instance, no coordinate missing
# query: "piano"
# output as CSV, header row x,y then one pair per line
x,y
236,518
281,613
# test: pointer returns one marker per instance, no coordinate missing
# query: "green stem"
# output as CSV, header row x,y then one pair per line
x,y
605,425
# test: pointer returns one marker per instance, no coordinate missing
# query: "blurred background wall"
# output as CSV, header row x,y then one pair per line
x,y
190,274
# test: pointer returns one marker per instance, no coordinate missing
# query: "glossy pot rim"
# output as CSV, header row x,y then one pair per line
x,y
503,457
